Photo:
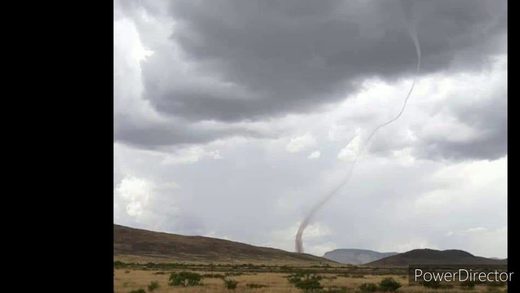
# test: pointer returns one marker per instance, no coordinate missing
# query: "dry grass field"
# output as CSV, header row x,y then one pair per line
x,y
129,279
142,257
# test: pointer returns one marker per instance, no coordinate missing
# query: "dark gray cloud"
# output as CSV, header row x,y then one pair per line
x,y
149,135
488,118
267,58
231,62
282,70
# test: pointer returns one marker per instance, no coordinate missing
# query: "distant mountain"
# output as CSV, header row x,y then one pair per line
x,y
138,245
356,256
432,256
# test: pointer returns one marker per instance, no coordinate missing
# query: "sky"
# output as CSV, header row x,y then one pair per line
x,y
233,118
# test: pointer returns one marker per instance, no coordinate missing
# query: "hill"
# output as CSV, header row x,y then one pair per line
x,y
432,256
142,246
356,256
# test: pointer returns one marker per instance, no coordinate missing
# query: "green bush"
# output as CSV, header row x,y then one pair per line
x,y
306,281
138,291
294,278
230,284
389,285
434,284
496,290
357,276
467,285
213,276
336,290
309,285
368,287
153,286
255,286
184,279
496,284
285,268
329,277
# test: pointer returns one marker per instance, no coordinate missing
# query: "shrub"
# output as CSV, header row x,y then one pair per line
x,y
434,284
230,284
357,276
330,277
285,268
309,285
306,281
184,279
153,286
336,290
496,284
389,285
467,285
294,278
255,286
138,291
368,287
214,276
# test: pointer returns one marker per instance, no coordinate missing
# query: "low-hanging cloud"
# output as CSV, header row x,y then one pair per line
x,y
271,58
213,92
231,61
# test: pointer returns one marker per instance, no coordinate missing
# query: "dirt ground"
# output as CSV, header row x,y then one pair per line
x,y
126,280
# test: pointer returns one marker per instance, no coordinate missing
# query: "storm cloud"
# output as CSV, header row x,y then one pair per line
x,y
268,58
226,104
